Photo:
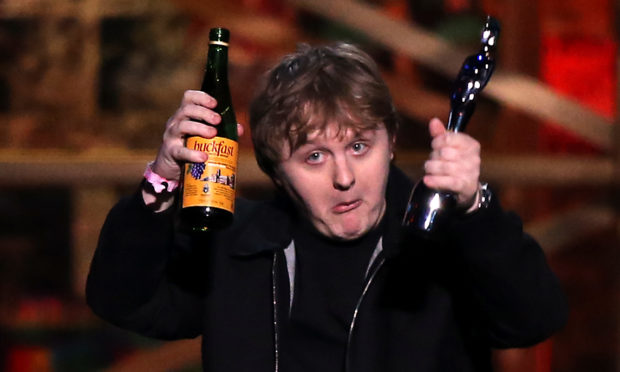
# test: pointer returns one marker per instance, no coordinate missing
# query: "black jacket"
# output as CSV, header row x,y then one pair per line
x,y
428,305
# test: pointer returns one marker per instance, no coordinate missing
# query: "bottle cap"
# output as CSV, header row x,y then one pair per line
x,y
219,36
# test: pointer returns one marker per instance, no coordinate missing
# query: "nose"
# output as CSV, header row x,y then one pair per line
x,y
344,175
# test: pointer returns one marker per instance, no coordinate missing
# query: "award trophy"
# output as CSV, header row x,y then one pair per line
x,y
427,208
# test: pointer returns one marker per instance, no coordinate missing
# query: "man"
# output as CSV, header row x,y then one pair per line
x,y
324,278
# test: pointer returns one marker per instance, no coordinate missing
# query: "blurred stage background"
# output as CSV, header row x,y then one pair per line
x,y
86,87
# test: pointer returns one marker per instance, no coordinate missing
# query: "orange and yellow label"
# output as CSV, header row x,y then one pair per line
x,y
213,183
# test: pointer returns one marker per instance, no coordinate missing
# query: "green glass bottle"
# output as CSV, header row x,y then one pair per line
x,y
208,189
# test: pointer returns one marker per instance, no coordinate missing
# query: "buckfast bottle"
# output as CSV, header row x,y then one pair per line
x,y
208,189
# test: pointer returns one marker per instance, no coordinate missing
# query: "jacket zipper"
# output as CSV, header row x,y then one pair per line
x,y
371,277
276,341
274,293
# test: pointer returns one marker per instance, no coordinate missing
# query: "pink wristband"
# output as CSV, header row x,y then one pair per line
x,y
158,182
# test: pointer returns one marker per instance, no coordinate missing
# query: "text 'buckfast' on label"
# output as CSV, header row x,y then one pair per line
x,y
215,148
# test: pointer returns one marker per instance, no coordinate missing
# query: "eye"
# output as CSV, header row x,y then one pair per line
x,y
315,157
359,148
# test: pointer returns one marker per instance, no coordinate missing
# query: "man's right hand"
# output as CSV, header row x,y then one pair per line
x,y
195,106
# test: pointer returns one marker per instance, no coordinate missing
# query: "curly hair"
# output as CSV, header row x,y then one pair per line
x,y
312,88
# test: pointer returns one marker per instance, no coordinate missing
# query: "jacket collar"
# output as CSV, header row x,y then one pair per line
x,y
264,228
397,195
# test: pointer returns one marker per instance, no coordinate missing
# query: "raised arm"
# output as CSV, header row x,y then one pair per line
x,y
514,294
502,270
132,282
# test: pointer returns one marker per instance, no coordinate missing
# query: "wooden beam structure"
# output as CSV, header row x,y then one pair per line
x,y
413,101
557,231
260,28
514,90
68,9
111,167
122,167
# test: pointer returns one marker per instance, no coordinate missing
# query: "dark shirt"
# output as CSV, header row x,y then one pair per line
x,y
329,280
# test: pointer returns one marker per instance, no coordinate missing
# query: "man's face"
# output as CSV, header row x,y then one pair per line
x,y
339,179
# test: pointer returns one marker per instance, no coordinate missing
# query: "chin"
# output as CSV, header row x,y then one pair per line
x,y
348,236
344,229
349,233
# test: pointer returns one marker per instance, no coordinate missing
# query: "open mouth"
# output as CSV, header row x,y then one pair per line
x,y
346,206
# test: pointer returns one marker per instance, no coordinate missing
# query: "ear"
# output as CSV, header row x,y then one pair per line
x,y
392,147
276,176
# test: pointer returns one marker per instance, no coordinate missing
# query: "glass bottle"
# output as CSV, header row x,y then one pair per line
x,y
208,189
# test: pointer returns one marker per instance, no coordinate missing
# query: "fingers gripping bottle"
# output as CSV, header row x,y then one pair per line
x,y
208,189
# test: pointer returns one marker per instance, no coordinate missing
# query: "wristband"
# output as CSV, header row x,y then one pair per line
x,y
158,182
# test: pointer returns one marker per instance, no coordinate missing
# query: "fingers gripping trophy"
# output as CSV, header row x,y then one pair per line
x,y
428,208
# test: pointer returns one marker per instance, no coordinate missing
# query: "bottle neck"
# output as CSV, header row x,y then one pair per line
x,y
216,69
215,84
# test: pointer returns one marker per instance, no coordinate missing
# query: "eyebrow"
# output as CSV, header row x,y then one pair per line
x,y
358,135
308,143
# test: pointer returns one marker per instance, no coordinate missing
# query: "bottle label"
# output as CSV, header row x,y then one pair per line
x,y
213,183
